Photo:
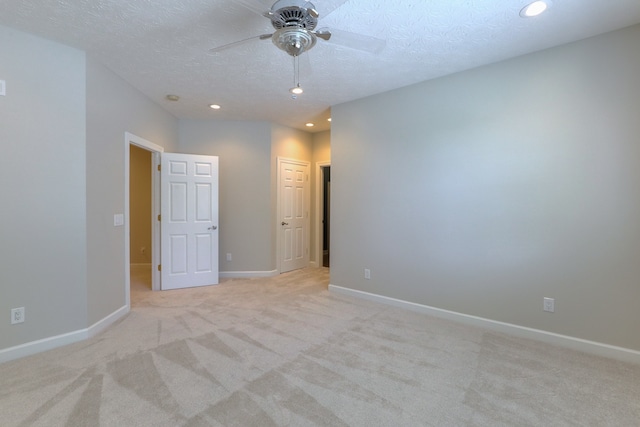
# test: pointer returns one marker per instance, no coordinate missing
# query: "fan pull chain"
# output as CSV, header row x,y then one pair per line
x,y
296,89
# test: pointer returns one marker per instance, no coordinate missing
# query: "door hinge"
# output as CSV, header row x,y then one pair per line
x,y
159,217
159,267
159,168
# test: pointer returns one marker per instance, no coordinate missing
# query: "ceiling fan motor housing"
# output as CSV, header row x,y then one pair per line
x,y
294,21
293,13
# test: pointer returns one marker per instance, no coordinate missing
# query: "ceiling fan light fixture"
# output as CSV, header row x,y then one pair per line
x,y
294,40
534,9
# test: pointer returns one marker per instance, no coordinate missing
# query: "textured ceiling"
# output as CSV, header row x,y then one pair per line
x,y
162,47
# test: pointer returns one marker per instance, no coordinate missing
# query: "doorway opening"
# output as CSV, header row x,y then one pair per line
x,y
322,221
140,211
326,214
153,251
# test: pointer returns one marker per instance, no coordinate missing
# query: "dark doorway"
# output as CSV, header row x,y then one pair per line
x,y
326,213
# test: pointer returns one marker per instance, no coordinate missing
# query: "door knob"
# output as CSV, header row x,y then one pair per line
x,y
213,227
284,223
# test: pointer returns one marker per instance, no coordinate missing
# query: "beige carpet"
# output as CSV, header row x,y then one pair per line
x,y
285,352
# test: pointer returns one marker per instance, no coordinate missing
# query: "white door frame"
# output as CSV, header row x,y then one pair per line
x,y
319,210
156,151
279,161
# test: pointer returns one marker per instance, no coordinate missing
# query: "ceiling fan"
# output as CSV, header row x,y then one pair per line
x,y
295,23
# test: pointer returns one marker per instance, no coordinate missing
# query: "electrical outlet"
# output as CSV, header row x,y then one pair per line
x,y
367,273
229,257
17,315
548,304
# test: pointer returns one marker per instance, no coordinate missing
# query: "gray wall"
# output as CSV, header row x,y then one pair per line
x,y
42,196
485,191
113,108
63,126
245,194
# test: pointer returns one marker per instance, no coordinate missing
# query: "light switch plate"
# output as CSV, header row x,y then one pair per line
x,y
118,220
3,88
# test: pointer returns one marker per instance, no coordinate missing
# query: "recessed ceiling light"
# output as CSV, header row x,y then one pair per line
x,y
173,97
309,125
534,9
214,106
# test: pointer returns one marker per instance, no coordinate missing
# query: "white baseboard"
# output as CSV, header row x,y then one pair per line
x,y
246,274
104,323
50,343
586,346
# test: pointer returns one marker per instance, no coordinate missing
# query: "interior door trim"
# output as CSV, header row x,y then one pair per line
x,y
156,151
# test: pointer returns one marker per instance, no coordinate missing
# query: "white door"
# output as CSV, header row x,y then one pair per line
x,y
294,214
189,220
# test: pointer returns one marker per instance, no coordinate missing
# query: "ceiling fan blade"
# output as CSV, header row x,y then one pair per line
x,y
352,40
256,6
239,42
325,7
